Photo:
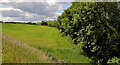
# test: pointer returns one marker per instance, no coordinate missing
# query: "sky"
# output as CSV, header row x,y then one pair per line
x,y
32,11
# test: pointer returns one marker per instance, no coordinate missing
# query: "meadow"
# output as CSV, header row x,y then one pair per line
x,y
44,38
15,53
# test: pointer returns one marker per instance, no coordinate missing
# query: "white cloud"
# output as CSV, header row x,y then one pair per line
x,y
51,2
36,0
0,14
16,14
32,11
41,8
11,14
8,9
4,1
10,19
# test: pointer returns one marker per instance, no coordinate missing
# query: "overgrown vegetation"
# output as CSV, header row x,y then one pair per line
x,y
95,27
14,53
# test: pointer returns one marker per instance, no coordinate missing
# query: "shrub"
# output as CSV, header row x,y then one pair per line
x,y
95,25
44,23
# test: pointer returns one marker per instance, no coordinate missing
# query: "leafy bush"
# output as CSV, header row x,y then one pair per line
x,y
52,24
44,23
30,23
96,26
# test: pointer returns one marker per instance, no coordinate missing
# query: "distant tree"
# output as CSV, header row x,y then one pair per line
x,y
95,25
44,23
29,22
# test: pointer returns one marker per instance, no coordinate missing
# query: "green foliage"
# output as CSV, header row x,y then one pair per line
x,y
49,23
95,25
28,23
44,23
52,23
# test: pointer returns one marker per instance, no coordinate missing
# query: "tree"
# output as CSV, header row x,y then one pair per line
x,y
95,25
44,23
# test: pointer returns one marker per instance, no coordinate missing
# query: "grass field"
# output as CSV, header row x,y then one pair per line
x,y
14,53
43,38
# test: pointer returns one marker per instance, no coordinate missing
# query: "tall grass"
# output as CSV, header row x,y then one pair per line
x,y
14,53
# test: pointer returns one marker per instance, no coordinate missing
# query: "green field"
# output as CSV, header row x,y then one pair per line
x,y
14,53
46,39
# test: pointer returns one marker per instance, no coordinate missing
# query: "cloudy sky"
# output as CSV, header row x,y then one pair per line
x,y
32,11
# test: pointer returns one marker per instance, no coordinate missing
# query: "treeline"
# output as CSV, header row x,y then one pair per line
x,y
48,23
20,23
95,26
43,23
